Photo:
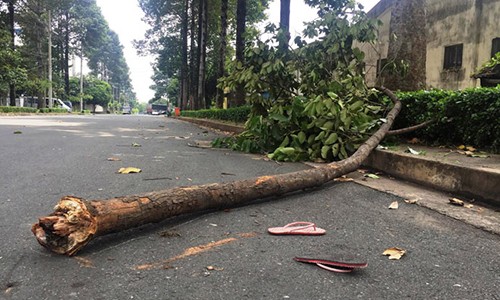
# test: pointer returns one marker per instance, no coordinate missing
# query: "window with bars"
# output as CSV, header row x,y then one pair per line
x,y
495,46
453,56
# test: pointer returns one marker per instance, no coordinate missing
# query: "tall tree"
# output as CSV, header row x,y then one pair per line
x,y
202,52
183,97
12,87
409,47
221,69
241,15
284,24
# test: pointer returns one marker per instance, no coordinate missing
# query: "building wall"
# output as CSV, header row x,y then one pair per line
x,y
473,23
379,49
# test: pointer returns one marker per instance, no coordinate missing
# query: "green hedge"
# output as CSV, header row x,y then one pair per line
x,y
471,116
15,109
53,110
236,114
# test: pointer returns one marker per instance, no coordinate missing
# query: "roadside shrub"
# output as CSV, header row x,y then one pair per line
x,y
468,117
235,114
52,110
15,109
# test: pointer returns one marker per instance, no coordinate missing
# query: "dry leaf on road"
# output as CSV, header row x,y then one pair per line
x,y
411,201
343,178
129,170
456,202
394,252
394,205
136,145
113,159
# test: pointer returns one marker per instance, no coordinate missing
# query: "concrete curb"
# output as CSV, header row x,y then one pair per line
x,y
214,124
478,184
481,184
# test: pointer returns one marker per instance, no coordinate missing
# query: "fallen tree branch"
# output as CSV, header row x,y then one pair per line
x,y
76,221
410,129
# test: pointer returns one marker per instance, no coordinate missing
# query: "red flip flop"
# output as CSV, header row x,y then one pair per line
x,y
333,266
297,228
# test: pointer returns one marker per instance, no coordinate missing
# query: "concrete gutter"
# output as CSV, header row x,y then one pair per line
x,y
469,181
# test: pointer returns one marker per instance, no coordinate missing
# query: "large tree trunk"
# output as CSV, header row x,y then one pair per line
x,y
12,87
408,19
241,15
285,23
66,55
202,52
193,69
76,221
221,68
184,56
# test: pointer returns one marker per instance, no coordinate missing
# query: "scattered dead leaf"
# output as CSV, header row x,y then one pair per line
x,y
84,262
411,201
372,176
136,145
394,252
343,178
248,234
394,205
362,171
18,132
468,206
456,201
114,159
212,268
129,170
414,141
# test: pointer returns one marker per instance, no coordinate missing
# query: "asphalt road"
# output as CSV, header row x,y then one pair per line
x,y
218,254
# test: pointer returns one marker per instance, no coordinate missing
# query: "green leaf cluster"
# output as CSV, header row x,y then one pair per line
x,y
310,102
467,117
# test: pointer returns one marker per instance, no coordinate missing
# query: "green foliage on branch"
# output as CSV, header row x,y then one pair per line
x,y
489,67
309,103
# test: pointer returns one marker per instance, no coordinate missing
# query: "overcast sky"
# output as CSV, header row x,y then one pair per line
x,y
124,18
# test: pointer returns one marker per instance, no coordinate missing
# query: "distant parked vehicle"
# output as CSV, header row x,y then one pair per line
x,y
126,110
61,104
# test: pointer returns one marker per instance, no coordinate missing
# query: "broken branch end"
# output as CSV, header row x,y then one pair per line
x,y
70,227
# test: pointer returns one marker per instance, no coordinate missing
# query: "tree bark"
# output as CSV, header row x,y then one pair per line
x,y
285,23
221,68
241,15
12,87
76,221
184,55
202,52
193,74
408,19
